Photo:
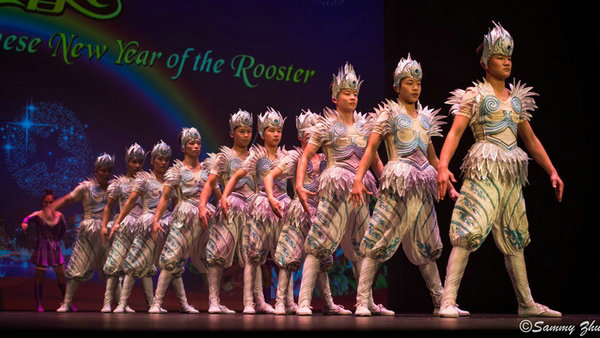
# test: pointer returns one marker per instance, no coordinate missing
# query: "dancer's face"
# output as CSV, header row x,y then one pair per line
x,y
242,136
134,165
346,100
47,201
272,136
103,175
161,163
192,148
409,91
499,66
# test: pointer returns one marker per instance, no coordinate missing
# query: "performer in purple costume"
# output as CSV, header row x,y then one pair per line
x,y
49,227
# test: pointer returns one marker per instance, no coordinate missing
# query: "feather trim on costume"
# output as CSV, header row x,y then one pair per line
x,y
337,181
144,222
209,162
487,159
238,206
405,179
364,123
297,217
257,152
261,209
433,120
173,175
460,99
225,156
140,183
258,164
289,164
89,226
128,223
185,212
114,187
522,99
324,126
384,122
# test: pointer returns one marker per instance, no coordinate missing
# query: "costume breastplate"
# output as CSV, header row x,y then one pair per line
x,y
410,134
347,146
191,184
497,122
263,167
232,166
95,202
153,194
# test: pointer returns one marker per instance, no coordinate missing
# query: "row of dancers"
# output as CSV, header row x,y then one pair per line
x,y
166,216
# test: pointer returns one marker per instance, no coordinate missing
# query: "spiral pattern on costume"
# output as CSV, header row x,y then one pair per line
x,y
262,165
403,120
425,122
186,175
516,104
234,165
339,129
490,104
153,186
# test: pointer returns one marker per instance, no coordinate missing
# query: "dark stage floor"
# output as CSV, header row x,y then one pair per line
x,y
89,323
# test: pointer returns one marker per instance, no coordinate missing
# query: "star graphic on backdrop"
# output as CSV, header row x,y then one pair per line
x,y
27,123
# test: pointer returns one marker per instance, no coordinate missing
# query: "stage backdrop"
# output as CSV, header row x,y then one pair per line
x,y
83,77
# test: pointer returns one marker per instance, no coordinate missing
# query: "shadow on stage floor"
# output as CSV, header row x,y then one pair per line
x,y
84,324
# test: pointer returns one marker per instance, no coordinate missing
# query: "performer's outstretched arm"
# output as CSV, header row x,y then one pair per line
x,y
537,151
62,202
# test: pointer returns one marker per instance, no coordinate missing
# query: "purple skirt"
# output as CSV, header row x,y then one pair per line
x,y
47,253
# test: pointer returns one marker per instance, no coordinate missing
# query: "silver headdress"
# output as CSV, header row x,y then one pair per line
x,y
407,68
345,79
270,118
497,41
188,134
104,160
160,149
241,118
135,151
305,121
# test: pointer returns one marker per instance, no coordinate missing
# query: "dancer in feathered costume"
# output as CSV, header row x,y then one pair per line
x,y
343,135
261,232
289,254
404,212
143,253
225,232
495,169
89,251
184,240
119,190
